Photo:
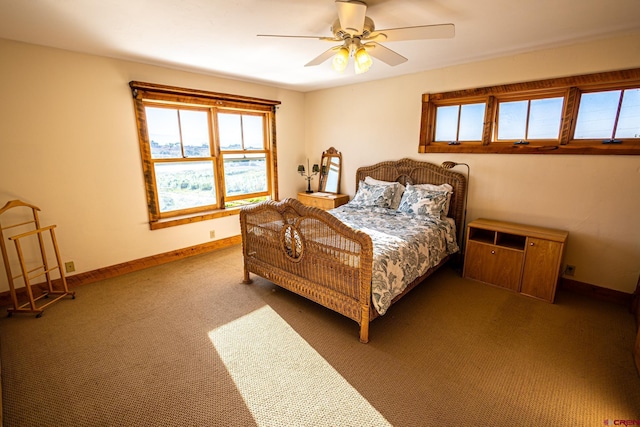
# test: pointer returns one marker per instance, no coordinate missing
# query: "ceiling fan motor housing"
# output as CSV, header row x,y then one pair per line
x,y
343,34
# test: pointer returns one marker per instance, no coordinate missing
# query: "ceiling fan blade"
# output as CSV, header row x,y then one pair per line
x,y
322,57
327,39
384,54
351,14
421,32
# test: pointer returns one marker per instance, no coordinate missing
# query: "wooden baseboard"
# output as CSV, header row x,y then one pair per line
x,y
611,295
636,352
127,267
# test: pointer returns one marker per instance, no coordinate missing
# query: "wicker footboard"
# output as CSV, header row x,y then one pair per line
x,y
311,253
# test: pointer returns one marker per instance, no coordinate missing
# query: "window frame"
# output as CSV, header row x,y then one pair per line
x,y
570,88
150,94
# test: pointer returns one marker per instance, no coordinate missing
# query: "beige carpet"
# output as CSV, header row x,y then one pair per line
x,y
181,345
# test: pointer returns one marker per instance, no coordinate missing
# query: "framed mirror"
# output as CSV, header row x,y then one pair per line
x,y
330,168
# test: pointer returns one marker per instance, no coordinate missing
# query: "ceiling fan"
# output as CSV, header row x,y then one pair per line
x,y
359,39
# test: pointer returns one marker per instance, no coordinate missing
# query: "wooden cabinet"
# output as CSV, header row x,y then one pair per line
x,y
324,201
519,257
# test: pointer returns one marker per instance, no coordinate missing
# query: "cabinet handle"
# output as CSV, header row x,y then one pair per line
x,y
493,252
531,244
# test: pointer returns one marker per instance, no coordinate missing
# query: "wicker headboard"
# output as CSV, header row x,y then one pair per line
x,y
415,172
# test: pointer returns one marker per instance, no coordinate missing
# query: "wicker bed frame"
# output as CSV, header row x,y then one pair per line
x,y
312,253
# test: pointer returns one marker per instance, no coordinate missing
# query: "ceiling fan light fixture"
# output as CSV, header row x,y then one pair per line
x,y
362,61
341,59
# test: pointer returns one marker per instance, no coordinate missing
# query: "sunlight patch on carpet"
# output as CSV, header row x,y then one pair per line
x,y
283,380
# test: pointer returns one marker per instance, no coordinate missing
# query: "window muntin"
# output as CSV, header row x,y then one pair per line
x,y
530,119
462,122
609,115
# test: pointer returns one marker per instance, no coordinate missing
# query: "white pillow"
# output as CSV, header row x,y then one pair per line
x,y
398,189
420,201
373,195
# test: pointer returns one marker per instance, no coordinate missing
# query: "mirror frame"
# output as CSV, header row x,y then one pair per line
x,y
325,163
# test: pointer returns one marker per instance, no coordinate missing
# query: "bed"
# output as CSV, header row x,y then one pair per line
x,y
337,258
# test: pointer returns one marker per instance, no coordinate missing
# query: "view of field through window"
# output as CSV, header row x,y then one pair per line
x,y
184,162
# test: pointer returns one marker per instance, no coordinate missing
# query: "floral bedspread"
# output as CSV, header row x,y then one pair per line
x,y
405,246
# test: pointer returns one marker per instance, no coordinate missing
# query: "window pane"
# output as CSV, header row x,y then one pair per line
x,y
597,114
195,133
447,123
184,185
245,174
512,120
471,122
629,120
230,131
253,134
545,116
164,133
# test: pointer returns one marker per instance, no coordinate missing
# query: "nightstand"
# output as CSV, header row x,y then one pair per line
x,y
324,201
519,257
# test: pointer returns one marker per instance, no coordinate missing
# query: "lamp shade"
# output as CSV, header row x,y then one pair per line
x,y
341,59
448,164
301,168
316,169
362,61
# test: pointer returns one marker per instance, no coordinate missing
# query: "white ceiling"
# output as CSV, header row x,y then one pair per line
x,y
218,37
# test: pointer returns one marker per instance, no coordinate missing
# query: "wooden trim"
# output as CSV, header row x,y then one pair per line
x,y
582,81
131,266
497,148
188,219
136,87
176,97
635,305
635,308
597,292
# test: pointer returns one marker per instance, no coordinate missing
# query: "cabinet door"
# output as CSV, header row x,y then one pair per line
x,y
477,261
541,268
493,264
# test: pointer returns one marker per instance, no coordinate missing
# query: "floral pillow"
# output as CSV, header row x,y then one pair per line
x,y
420,201
373,195
442,188
398,189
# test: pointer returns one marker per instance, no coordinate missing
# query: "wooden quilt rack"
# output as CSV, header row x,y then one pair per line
x,y
44,269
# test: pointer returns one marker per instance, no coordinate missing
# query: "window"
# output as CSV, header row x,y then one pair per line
x,y
461,122
609,115
520,121
203,154
591,114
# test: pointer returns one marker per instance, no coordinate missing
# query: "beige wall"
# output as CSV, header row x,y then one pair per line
x,y
68,144
595,198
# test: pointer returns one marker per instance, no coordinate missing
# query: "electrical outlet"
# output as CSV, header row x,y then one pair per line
x,y
69,267
570,270
212,234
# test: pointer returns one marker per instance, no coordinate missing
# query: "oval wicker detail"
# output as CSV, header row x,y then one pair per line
x,y
292,243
